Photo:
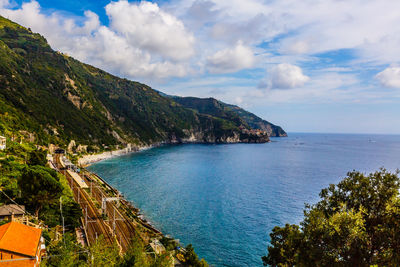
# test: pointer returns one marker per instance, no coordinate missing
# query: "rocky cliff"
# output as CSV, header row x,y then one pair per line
x,y
220,109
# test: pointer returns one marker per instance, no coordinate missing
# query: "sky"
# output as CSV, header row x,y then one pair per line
x,y
309,66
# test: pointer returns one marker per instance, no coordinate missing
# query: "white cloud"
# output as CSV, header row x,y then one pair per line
x,y
142,41
298,27
324,87
286,76
146,26
389,77
4,3
297,47
231,59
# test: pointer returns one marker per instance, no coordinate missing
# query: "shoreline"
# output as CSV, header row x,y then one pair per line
x,y
87,160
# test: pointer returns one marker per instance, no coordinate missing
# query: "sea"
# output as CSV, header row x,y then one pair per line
x,y
226,198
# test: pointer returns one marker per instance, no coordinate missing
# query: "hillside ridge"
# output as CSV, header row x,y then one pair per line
x,y
50,97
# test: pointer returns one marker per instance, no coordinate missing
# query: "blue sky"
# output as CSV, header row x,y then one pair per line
x,y
309,66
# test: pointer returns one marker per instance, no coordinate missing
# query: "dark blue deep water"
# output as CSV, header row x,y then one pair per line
x,y
225,199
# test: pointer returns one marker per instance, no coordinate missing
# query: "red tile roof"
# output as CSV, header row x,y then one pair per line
x,y
20,238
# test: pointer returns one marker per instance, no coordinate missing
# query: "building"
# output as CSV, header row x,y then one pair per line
x,y
11,212
157,246
20,245
2,142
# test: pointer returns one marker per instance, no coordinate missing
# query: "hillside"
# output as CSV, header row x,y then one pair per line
x,y
50,97
217,108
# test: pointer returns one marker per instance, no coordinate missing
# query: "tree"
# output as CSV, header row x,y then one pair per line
x,y
284,246
103,254
135,255
65,252
356,223
192,259
39,186
37,157
72,212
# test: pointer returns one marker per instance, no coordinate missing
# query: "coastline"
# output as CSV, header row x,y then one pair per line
x,y
87,160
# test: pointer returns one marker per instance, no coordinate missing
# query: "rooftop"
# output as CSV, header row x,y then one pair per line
x,y
6,210
20,238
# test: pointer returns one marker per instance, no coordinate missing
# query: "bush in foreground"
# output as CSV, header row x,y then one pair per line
x,y
356,223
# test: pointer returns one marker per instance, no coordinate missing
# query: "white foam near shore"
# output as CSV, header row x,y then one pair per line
x,y
88,159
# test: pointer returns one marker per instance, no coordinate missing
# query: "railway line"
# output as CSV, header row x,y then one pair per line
x,y
122,226
92,220
102,215
106,218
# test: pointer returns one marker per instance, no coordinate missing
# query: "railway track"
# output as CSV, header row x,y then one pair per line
x,y
122,229
117,225
122,226
94,224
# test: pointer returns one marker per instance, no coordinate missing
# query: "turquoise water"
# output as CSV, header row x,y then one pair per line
x,y
225,199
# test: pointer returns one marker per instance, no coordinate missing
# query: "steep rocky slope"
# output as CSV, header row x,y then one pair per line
x,y
217,108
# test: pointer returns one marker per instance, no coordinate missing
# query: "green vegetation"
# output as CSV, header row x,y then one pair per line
x,y
68,253
37,157
39,185
192,259
36,186
356,223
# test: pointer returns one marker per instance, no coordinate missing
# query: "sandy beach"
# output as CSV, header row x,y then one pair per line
x,y
86,160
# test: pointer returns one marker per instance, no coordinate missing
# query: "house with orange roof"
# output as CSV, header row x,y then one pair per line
x,y
20,245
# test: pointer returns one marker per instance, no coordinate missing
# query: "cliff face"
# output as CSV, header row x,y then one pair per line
x,y
219,109
233,137
59,99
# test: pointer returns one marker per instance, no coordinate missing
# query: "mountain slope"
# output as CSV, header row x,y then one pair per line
x,y
56,98
256,122
217,108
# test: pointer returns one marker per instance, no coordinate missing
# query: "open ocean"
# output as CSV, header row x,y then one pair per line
x,y
225,199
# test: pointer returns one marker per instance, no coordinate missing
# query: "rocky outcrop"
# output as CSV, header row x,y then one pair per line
x,y
243,136
71,146
271,129
219,109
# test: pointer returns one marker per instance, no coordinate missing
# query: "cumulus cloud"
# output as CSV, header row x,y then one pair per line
x,y
145,25
142,40
202,11
310,27
286,76
231,59
389,77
